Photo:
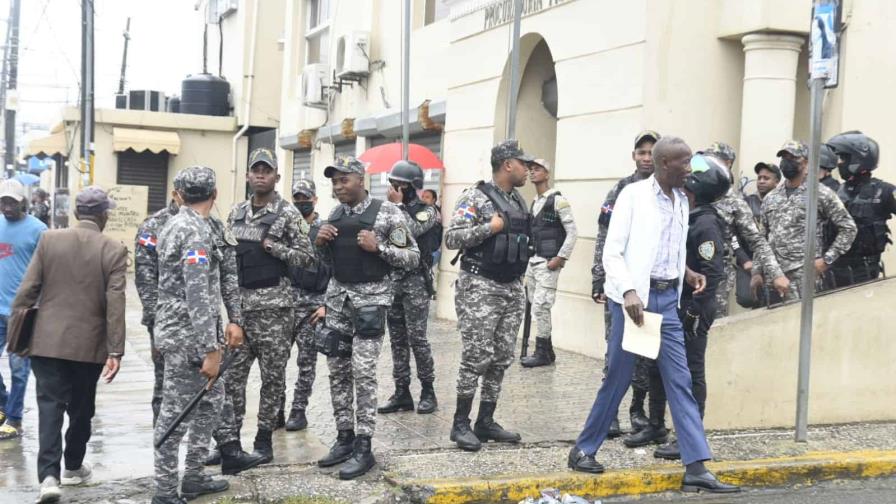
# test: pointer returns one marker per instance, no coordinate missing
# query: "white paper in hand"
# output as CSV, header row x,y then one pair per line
x,y
644,340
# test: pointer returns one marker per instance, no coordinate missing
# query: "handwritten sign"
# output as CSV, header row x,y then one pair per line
x,y
127,216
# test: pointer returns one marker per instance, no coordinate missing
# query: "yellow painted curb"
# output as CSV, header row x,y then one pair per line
x,y
810,468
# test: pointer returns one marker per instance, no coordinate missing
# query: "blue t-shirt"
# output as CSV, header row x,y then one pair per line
x,y
18,241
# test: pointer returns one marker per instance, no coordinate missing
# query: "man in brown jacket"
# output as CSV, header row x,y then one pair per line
x,y
78,276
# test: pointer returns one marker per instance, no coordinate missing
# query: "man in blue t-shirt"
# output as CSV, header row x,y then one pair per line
x,y
19,234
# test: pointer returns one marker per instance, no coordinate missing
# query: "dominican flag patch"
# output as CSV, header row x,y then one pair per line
x,y
147,240
197,256
466,211
606,209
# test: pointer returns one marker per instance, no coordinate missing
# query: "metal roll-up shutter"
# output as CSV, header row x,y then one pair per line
x,y
147,169
432,179
344,150
301,166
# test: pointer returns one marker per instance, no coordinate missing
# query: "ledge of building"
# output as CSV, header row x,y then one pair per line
x,y
149,119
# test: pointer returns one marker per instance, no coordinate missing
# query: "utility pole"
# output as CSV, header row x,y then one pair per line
x,y
11,63
406,81
513,94
124,56
86,92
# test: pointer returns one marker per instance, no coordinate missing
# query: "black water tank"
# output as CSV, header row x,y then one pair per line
x,y
174,104
204,94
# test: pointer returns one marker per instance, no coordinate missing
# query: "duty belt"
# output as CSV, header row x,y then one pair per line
x,y
661,285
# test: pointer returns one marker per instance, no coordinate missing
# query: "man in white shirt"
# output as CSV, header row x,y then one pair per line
x,y
644,259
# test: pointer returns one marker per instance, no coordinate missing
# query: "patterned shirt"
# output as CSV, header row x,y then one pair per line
x,y
671,233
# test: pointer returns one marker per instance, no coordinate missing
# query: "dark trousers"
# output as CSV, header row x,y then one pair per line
x,y
695,352
63,386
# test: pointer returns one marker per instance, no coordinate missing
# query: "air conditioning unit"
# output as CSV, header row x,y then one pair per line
x,y
315,81
352,55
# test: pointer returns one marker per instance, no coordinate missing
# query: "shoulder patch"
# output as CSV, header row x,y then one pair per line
x,y
196,256
707,250
229,238
148,241
422,216
561,203
466,211
399,237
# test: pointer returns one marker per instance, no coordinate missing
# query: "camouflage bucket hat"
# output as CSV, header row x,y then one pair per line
x,y
722,150
195,181
794,147
344,165
510,149
304,188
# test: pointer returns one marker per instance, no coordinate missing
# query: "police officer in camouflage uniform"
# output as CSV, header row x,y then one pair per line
x,y
741,227
490,227
870,201
189,336
643,158
364,239
784,220
413,289
271,235
554,235
309,286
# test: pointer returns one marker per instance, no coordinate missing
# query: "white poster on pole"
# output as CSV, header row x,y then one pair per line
x,y
824,41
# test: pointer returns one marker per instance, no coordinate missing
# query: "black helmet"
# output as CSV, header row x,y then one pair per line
x,y
827,159
407,171
709,179
859,152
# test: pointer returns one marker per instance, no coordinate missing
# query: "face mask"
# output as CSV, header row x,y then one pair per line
x,y
789,168
408,194
305,207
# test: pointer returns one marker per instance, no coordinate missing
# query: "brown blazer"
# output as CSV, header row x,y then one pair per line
x,y
77,276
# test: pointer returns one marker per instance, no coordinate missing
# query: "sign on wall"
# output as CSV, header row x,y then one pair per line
x,y
127,216
824,41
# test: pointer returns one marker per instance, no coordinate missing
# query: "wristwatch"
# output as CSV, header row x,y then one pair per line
x,y
380,248
828,260
269,247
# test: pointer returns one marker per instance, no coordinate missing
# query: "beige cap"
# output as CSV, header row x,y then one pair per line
x,y
11,188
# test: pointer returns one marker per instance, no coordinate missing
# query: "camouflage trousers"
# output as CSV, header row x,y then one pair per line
x,y
489,315
796,284
353,379
158,371
182,380
723,291
641,372
407,331
268,339
541,291
303,336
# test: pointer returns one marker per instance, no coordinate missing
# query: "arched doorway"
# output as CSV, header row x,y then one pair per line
x,y
536,120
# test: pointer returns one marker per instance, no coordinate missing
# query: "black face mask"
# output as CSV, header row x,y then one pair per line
x,y
408,194
789,168
305,207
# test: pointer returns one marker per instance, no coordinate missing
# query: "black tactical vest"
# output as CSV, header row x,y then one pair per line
x,y
315,278
548,232
865,204
351,263
431,240
257,268
502,257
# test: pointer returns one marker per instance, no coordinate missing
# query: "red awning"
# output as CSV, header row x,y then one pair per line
x,y
380,159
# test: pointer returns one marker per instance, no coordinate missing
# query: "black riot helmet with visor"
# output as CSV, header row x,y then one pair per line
x,y
709,179
858,153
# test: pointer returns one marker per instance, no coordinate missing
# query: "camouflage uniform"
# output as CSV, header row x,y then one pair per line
x,y
408,314
187,327
353,379
541,283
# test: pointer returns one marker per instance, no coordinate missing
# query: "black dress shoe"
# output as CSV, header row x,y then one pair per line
x,y
668,451
652,434
706,482
579,461
615,431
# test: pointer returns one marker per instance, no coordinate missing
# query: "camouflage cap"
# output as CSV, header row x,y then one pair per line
x,y
94,199
347,164
772,167
794,147
263,155
304,188
721,150
647,135
509,149
195,181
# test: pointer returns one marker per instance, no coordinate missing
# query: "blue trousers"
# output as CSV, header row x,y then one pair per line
x,y
673,368
12,402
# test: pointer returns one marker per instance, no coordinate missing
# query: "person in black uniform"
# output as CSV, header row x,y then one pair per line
x,y
707,183
871,203
827,162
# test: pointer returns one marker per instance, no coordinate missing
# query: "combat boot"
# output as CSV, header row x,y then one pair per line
x,y
541,357
401,400
166,499
341,451
194,486
428,402
281,420
668,451
234,460
460,430
487,429
263,445
615,431
362,460
655,432
297,420
214,457
637,417
550,348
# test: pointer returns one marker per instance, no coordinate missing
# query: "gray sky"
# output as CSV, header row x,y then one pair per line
x,y
166,45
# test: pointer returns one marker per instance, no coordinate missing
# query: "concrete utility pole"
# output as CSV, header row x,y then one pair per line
x,y
87,92
514,69
11,72
124,56
406,81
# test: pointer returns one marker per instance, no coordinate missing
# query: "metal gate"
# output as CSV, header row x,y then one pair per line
x,y
147,169
301,166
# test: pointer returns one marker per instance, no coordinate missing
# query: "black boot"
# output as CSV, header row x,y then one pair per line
x,y
487,429
401,400
234,460
655,433
263,446
297,420
637,417
281,420
362,460
167,499
541,357
615,431
551,351
214,457
460,431
194,486
428,402
341,450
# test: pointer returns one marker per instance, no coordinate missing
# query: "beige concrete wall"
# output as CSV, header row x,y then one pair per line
x,y
752,362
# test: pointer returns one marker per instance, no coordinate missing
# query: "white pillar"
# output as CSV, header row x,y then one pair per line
x,y
770,64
